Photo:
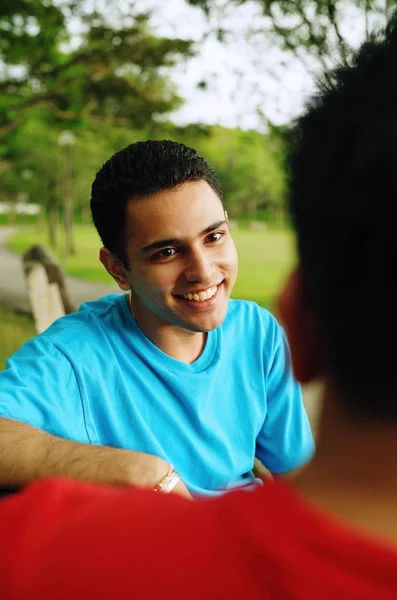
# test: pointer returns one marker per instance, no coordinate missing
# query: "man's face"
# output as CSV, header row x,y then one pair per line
x,y
182,259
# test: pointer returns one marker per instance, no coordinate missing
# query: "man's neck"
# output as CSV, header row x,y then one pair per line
x,y
354,472
179,343
186,346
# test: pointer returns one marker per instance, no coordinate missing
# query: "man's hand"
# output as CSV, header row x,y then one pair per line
x,y
260,470
182,490
156,468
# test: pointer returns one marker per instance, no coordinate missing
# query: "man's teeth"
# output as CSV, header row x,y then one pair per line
x,y
201,296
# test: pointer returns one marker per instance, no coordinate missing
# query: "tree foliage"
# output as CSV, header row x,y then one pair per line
x,y
311,28
114,73
249,167
248,164
109,83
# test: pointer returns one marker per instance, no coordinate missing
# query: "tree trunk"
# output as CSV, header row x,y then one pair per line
x,y
252,209
40,222
280,217
67,202
12,214
53,218
85,215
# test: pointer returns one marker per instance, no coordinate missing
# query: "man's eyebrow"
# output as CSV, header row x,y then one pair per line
x,y
213,227
179,241
162,244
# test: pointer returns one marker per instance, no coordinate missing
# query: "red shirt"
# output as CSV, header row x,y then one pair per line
x,y
62,539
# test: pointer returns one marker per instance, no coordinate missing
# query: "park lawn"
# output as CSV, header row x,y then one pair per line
x,y
265,258
14,331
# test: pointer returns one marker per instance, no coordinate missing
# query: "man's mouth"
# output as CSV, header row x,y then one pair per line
x,y
202,295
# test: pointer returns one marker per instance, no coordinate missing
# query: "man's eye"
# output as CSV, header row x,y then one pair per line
x,y
164,253
214,237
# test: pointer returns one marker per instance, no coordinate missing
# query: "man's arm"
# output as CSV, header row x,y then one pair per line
x,y
39,392
28,453
285,442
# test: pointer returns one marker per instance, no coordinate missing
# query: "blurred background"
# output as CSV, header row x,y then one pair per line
x,y
81,79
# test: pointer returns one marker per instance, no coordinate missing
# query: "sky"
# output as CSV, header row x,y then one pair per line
x,y
242,77
247,83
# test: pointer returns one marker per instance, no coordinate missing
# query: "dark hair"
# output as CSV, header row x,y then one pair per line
x,y
140,170
343,200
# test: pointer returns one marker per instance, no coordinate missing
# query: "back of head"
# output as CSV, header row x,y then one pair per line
x,y
138,171
344,204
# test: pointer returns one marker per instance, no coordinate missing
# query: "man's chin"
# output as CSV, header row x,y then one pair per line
x,y
201,329
200,321
207,325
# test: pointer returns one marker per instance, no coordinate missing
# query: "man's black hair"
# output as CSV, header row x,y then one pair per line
x,y
138,171
343,200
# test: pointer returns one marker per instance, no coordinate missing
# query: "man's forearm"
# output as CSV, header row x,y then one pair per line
x,y
27,453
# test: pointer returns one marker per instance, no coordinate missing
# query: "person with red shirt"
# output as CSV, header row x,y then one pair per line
x,y
331,533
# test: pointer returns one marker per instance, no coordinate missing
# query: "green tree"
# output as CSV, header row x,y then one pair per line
x,y
307,28
115,72
34,150
249,166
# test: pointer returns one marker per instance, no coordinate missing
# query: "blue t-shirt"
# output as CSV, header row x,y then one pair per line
x,y
94,377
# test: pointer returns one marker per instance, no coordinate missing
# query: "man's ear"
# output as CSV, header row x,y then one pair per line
x,y
301,328
115,268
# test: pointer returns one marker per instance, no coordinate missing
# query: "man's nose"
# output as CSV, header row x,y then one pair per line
x,y
199,267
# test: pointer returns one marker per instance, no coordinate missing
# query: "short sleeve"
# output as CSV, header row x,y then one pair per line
x,y
39,387
285,441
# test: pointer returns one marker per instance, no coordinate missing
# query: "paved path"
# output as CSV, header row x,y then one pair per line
x,y
12,281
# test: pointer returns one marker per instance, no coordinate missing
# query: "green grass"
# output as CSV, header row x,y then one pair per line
x,y
14,331
264,259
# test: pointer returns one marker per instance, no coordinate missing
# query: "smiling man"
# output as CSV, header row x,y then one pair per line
x,y
180,265
172,385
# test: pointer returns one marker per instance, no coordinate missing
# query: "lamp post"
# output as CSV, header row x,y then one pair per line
x,y
66,140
